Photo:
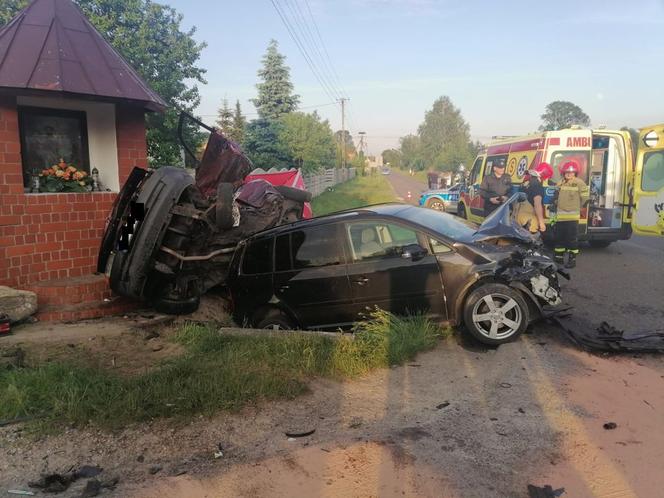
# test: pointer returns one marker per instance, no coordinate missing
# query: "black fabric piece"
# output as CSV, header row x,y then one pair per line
x,y
567,234
534,189
544,492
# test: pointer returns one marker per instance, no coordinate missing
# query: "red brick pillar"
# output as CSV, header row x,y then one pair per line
x,y
132,145
11,192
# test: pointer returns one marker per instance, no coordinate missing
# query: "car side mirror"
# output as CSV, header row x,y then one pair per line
x,y
413,251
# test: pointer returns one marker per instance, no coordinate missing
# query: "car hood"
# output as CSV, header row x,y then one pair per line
x,y
501,224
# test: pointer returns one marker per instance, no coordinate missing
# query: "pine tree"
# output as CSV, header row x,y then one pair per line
x,y
239,124
275,91
225,118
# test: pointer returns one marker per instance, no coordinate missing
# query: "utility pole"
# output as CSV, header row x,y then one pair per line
x,y
343,131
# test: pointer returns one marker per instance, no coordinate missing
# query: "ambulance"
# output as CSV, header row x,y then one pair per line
x,y
626,180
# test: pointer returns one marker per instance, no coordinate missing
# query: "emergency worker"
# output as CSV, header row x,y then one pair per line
x,y
495,187
531,211
572,195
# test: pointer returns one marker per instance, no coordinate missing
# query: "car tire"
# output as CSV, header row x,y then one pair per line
x,y
224,206
176,306
275,319
294,194
461,211
436,204
505,325
600,244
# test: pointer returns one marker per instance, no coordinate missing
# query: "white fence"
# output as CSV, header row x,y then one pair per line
x,y
317,184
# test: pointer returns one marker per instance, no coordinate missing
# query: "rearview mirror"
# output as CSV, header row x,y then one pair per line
x,y
413,251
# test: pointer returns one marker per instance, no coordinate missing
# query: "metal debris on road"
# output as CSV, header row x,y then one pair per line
x,y
606,337
300,434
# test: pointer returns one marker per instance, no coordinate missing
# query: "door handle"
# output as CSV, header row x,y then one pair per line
x,y
361,280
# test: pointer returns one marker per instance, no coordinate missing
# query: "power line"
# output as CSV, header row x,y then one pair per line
x,y
301,108
303,51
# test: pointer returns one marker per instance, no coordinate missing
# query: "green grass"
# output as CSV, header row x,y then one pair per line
x,y
216,372
358,192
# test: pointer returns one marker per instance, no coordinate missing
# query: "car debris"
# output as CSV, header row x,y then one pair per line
x,y
608,338
20,492
609,426
299,434
170,237
544,492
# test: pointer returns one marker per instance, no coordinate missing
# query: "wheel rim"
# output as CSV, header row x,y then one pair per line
x,y
437,205
497,316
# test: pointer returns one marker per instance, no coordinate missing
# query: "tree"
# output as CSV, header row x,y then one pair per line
x,y
264,146
225,118
351,152
309,140
239,124
392,157
275,91
562,114
149,37
411,156
444,136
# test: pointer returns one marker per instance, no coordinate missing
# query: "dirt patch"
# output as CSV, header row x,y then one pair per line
x,y
363,469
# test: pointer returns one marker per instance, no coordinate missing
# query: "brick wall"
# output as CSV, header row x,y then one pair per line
x,y
55,236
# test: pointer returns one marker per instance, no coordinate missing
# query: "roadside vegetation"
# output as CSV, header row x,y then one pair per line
x,y
358,192
216,372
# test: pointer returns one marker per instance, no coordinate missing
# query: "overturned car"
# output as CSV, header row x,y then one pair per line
x,y
170,237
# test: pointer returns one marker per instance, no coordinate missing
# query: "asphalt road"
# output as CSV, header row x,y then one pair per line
x,y
622,284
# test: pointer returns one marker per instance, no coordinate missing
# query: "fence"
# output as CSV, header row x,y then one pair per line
x,y
317,184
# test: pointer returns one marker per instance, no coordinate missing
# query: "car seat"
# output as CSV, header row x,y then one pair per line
x,y
369,245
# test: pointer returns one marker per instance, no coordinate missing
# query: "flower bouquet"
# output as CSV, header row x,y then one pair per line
x,y
63,177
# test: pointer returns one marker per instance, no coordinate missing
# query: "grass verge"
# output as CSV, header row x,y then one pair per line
x,y
358,192
216,372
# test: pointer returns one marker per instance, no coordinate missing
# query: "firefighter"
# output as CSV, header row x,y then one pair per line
x,y
495,187
530,212
572,195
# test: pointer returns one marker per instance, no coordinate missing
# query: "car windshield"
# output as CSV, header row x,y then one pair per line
x,y
443,223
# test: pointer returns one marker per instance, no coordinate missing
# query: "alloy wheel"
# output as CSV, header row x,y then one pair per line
x,y
497,316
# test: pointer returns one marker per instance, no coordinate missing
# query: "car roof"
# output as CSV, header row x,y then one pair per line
x,y
391,209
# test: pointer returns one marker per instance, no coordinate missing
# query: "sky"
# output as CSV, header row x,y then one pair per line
x,y
501,62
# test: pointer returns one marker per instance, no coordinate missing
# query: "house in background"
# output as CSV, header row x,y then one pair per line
x,y
65,93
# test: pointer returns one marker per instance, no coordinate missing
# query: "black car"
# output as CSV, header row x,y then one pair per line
x,y
325,273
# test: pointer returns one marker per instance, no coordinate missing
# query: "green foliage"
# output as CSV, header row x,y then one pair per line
x,y
351,152
225,118
9,8
444,136
393,157
358,192
149,37
239,124
562,114
216,372
309,141
411,152
275,91
263,144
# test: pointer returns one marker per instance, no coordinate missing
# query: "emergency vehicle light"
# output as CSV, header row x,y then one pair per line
x,y
651,139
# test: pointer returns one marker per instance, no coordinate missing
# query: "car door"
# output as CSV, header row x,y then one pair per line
x,y
648,217
382,274
310,276
476,203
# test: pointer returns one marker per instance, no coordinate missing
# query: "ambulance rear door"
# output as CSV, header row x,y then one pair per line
x,y
648,218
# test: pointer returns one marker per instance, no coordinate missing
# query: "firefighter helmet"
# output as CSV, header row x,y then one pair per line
x,y
543,171
569,167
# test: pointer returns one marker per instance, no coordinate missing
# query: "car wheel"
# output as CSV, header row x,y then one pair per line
x,y
176,306
436,204
600,244
275,320
461,211
224,206
495,314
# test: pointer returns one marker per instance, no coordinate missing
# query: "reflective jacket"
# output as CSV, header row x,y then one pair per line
x,y
572,195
